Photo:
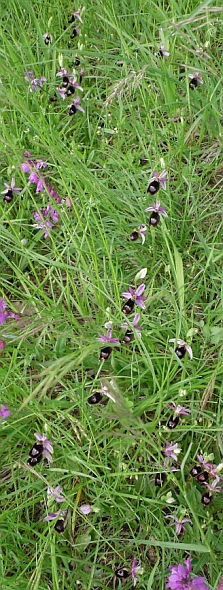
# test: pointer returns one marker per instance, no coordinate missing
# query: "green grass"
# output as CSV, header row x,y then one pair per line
x,y
67,287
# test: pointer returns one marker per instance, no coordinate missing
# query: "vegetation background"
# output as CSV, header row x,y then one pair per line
x,y
139,110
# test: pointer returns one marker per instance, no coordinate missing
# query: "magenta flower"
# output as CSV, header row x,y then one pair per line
x,y
179,523
54,195
108,338
2,345
56,494
10,190
55,515
29,167
4,314
136,296
34,179
47,446
220,584
182,348
43,220
171,452
85,508
4,412
178,410
180,578
75,106
134,569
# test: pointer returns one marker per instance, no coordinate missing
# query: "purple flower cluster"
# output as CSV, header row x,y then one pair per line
x,y
5,314
44,220
29,167
34,83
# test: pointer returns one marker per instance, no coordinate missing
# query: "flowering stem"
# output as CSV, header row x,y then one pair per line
x,y
98,372
79,492
153,236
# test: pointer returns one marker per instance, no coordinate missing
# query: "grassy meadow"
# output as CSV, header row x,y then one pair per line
x,y
95,99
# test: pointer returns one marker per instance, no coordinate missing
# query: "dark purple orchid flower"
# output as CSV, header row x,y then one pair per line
x,y
182,348
134,324
195,79
47,449
76,15
157,181
209,467
47,38
140,232
10,190
75,106
136,296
